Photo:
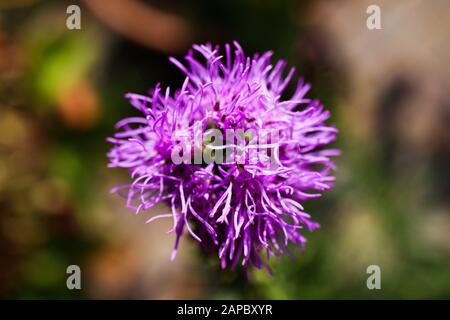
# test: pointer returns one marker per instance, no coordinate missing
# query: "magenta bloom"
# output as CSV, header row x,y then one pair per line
x,y
238,196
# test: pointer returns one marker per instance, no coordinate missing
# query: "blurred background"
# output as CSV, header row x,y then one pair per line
x,y
62,91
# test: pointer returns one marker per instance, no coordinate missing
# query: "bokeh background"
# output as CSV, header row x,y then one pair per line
x,y
62,91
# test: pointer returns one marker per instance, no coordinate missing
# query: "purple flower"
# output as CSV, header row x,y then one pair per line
x,y
238,195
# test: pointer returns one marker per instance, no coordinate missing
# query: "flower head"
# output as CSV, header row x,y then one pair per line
x,y
231,158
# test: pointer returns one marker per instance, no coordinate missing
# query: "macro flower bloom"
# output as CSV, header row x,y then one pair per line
x,y
245,206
